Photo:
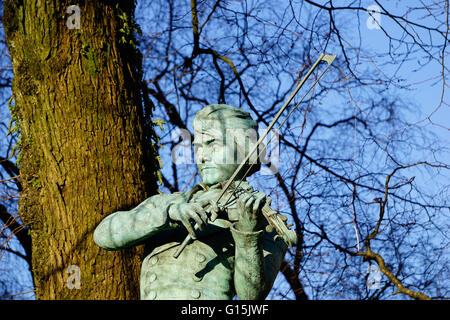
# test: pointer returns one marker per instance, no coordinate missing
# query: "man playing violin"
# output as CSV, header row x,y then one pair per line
x,y
232,254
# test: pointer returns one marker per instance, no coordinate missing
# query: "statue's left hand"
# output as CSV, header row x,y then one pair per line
x,y
251,218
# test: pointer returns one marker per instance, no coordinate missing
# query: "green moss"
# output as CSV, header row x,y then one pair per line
x,y
156,145
35,182
14,130
128,30
91,59
28,73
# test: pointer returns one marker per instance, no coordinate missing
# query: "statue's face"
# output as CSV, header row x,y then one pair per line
x,y
215,158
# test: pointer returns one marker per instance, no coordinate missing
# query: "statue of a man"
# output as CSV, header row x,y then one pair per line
x,y
232,255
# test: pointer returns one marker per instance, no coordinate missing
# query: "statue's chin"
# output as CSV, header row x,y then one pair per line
x,y
210,180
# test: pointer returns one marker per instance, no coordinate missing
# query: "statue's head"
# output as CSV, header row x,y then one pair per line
x,y
224,135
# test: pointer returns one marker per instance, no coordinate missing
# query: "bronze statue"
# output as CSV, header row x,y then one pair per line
x,y
231,249
233,254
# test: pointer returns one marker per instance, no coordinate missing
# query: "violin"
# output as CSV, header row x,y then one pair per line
x,y
276,221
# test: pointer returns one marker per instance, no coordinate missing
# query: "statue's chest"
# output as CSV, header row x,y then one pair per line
x,y
204,270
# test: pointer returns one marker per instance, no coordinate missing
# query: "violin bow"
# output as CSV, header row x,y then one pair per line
x,y
322,58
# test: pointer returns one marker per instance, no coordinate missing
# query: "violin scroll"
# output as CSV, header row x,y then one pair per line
x,y
277,222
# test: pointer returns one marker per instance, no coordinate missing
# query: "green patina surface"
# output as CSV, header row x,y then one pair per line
x,y
233,255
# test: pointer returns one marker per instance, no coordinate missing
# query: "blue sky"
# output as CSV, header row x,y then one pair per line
x,y
425,83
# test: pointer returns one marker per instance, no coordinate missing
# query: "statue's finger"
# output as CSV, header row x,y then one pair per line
x,y
240,201
249,202
214,210
203,203
261,194
188,226
194,216
200,212
259,202
244,198
214,206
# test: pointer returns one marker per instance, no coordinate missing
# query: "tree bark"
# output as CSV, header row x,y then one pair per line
x,y
84,153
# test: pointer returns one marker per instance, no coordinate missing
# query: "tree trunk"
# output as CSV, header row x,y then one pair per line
x,y
84,153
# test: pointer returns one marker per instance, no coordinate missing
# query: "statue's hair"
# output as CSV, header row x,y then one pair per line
x,y
233,117
216,119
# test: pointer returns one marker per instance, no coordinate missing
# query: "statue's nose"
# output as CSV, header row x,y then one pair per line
x,y
201,156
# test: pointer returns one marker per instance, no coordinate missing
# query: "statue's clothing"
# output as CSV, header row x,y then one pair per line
x,y
220,263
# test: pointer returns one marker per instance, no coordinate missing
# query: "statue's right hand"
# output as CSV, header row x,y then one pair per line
x,y
187,212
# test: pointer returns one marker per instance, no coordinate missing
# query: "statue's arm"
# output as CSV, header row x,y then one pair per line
x,y
123,229
258,259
